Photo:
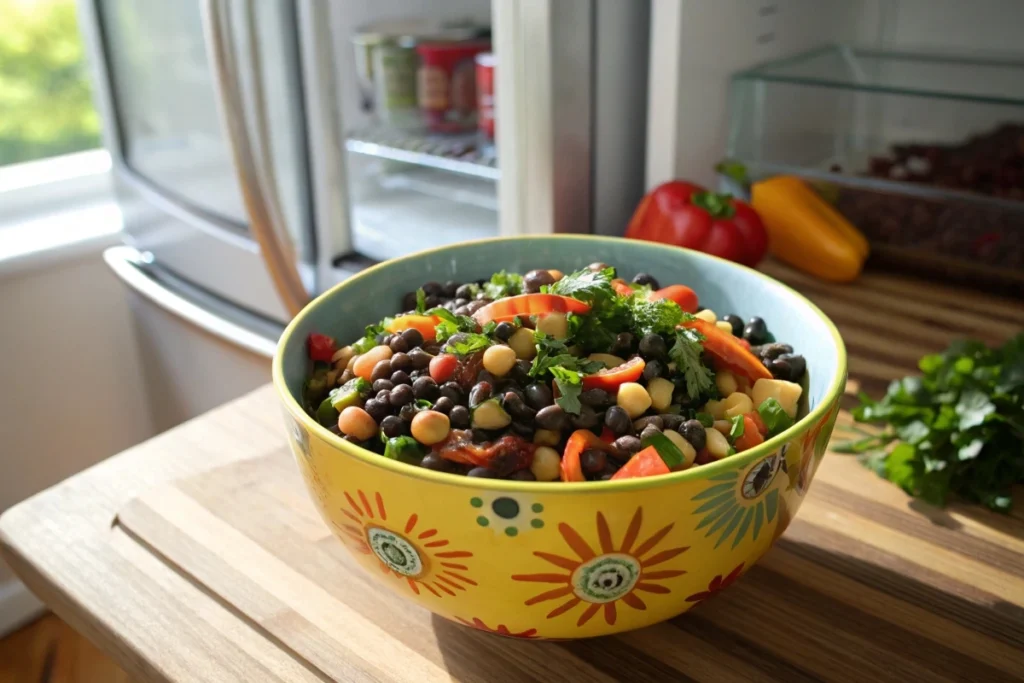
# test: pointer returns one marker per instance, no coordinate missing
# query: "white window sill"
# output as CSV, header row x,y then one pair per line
x,y
40,242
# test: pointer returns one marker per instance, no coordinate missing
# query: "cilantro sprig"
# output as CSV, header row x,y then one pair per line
x,y
686,354
553,358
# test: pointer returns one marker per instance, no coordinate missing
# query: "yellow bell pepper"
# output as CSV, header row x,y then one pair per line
x,y
806,232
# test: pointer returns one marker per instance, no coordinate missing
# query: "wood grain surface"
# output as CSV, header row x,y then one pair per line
x,y
218,569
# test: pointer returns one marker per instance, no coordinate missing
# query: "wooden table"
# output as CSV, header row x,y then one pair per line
x,y
244,583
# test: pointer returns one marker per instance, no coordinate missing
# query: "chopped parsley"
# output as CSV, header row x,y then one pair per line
x,y
451,324
659,317
503,284
369,339
686,354
465,343
570,386
421,300
586,285
553,358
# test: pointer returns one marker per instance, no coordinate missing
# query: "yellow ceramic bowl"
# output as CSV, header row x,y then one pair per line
x,y
553,560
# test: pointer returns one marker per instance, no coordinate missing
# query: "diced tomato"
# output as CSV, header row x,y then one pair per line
x,y
755,417
607,435
646,463
728,352
622,287
506,309
321,347
442,367
609,379
426,324
581,440
681,294
508,454
751,436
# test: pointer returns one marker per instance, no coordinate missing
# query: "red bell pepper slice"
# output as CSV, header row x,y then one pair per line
x,y
610,379
646,463
507,309
751,436
426,324
755,416
729,352
681,294
579,441
321,347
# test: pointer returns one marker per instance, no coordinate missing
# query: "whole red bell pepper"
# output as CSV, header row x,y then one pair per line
x,y
687,215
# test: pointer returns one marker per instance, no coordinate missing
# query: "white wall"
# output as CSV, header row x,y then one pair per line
x,y
71,388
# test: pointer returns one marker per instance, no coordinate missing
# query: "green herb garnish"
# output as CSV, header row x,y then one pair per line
x,y
570,386
369,339
668,451
586,285
421,300
705,419
465,343
686,354
451,324
503,284
736,429
960,426
774,416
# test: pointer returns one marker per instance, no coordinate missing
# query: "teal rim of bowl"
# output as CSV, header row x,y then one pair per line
x,y
729,463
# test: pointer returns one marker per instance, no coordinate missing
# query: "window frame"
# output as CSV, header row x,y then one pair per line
x,y
54,184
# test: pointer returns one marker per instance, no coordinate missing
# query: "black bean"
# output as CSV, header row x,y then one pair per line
x,y
409,301
523,429
377,409
647,280
399,344
736,322
383,394
459,417
462,310
382,370
450,288
474,306
480,392
432,301
779,368
693,431
553,418
433,348
653,420
419,358
648,431
465,291
536,279
507,386
523,475
412,337
593,460
444,405
773,351
671,421
617,420
432,287
352,439
480,436
408,412
626,446
756,332
504,330
401,361
623,345
482,472
515,406
400,377
401,395
587,419
383,385
453,392
538,395
486,376
654,368
433,461
393,426
653,346
797,364
425,388
596,398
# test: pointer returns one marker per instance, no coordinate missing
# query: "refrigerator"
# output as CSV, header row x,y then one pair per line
x,y
256,166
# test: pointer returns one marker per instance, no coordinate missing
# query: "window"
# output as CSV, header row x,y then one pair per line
x,y
45,104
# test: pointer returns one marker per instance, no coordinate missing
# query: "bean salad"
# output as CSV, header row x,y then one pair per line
x,y
556,377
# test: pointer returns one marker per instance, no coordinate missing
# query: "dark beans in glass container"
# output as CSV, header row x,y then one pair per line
x,y
425,388
538,395
617,420
593,460
383,385
377,409
553,418
382,370
393,426
401,395
735,322
459,417
400,377
693,431
647,280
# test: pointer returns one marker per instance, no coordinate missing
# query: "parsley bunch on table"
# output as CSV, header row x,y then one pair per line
x,y
956,430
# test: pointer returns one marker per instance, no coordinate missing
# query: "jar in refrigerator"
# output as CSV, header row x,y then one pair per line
x,y
394,76
447,84
485,63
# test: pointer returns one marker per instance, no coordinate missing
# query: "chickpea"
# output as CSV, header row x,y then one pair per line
x,y
726,382
707,315
364,366
724,327
634,399
608,359
717,444
342,356
715,409
737,403
787,393
356,422
430,427
521,342
499,360
547,464
351,364
490,415
689,454
546,437
554,324
723,426
660,390
557,274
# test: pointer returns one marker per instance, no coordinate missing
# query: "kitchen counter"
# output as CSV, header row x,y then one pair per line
x,y
196,556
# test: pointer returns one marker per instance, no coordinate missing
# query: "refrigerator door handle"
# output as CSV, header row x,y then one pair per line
x,y
130,267
252,159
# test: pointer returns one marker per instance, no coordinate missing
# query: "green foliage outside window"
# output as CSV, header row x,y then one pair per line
x,y
45,103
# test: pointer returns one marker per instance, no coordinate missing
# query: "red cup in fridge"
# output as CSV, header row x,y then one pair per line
x,y
447,84
485,63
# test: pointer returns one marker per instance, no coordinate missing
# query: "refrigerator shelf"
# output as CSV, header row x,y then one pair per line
x,y
461,154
